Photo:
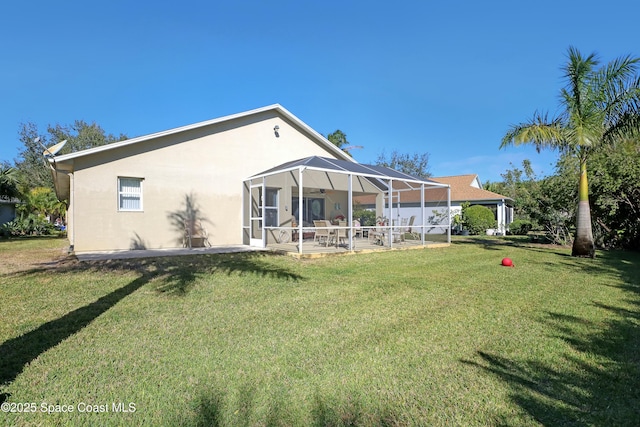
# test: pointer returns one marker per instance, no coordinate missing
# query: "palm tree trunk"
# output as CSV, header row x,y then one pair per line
x,y
583,244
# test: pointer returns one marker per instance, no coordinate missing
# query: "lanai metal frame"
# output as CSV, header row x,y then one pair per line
x,y
339,175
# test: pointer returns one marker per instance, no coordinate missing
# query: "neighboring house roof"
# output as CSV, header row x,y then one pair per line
x,y
467,188
9,201
464,188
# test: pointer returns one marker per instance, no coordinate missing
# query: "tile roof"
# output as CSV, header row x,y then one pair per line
x,y
462,190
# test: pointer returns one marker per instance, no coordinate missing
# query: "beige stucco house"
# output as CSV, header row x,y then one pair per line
x,y
240,176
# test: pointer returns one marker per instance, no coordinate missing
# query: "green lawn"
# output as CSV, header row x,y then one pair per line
x,y
423,337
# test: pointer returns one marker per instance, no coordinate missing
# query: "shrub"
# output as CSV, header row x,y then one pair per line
x,y
29,225
366,217
520,227
477,219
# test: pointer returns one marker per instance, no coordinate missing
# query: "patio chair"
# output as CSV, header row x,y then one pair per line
x,y
322,232
397,231
357,228
195,235
414,234
342,233
377,234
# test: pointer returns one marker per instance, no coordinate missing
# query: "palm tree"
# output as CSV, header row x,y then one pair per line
x,y
43,201
601,106
8,182
338,138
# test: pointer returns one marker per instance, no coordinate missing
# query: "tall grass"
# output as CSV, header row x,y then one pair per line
x,y
425,337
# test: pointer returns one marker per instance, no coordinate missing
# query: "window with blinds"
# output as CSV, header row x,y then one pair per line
x,y
130,194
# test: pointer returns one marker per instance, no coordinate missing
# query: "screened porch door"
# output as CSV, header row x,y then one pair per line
x,y
257,234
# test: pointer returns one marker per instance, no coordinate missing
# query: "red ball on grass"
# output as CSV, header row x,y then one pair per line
x,y
507,262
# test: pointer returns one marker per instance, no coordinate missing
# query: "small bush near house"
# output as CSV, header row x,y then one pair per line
x,y
520,227
477,219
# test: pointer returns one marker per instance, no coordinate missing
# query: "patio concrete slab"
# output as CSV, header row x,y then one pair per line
x,y
151,253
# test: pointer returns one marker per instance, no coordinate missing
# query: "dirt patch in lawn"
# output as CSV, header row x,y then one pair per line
x,y
20,255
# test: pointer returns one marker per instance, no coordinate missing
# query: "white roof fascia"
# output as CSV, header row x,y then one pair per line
x,y
276,107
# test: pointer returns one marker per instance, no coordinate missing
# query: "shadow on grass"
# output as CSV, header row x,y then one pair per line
x,y
596,383
498,242
18,352
214,408
489,243
177,276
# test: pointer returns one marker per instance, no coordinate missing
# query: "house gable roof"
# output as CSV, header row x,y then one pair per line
x,y
64,164
274,107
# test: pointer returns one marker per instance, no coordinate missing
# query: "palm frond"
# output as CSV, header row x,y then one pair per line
x,y
622,96
539,131
626,127
577,72
599,106
620,69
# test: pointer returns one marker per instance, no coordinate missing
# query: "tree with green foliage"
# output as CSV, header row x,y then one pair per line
x,y
600,106
31,165
35,215
522,186
615,190
557,201
338,138
416,164
541,203
43,201
33,169
81,136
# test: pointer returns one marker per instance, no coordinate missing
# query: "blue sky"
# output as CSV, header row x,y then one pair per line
x,y
445,78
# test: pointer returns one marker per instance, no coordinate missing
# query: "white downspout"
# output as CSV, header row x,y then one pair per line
x,y
72,236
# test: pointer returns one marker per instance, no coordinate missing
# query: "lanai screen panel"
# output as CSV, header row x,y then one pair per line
x,y
328,186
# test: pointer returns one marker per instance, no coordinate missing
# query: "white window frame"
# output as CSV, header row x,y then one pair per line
x,y
122,194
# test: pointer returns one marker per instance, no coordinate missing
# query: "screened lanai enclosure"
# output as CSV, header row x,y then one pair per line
x,y
313,205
